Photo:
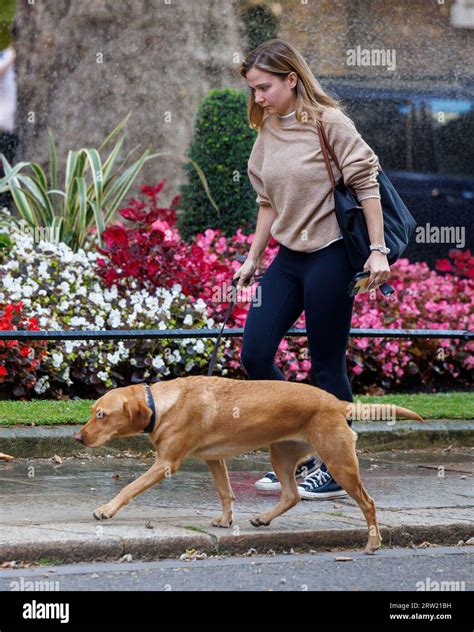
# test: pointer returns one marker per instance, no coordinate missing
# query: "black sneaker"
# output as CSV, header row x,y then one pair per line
x,y
320,485
270,482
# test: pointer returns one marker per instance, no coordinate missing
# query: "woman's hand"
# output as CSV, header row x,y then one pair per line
x,y
245,272
377,265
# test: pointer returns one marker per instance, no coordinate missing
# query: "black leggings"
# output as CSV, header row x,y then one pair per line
x,y
315,282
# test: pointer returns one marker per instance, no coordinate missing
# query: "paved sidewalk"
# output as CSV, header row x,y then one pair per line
x,y
46,508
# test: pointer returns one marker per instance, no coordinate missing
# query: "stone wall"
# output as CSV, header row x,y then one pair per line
x,y
83,65
426,44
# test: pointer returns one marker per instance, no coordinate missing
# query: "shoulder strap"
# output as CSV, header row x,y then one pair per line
x,y
325,146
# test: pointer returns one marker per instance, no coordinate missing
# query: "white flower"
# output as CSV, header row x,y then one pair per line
x,y
96,297
57,359
115,318
64,287
43,270
111,293
42,385
188,320
78,321
199,346
200,305
158,362
70,345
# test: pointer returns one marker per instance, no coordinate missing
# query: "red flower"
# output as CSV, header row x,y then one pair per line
x,y
115,236
463,263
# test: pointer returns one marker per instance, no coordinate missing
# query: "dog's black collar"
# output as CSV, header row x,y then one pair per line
x,y
151,404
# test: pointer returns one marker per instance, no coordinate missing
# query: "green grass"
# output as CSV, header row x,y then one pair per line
x,y
197,529
455,405
45,412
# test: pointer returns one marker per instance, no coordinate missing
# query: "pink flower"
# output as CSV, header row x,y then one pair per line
x,y
387,368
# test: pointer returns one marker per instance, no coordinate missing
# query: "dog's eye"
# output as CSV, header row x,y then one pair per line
x,y
100,414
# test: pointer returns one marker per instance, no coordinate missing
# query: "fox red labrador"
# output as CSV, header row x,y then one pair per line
x,y
213,418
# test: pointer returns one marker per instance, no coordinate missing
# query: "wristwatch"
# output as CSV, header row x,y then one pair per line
x,y
381,248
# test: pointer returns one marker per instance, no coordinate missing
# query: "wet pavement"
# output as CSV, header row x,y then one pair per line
x,y
46,507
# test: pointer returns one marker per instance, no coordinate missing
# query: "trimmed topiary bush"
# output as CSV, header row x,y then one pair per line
x,y
260,23
221,146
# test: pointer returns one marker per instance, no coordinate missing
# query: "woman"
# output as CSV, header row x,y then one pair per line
x,y
311,270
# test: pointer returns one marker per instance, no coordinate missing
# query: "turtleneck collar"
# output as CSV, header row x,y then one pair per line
x,y
287,119
286,115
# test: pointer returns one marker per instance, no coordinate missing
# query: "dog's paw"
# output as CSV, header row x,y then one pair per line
x,y
103,513
373,544
222,521
257,521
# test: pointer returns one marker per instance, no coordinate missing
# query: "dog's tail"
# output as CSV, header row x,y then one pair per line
x,y
379,412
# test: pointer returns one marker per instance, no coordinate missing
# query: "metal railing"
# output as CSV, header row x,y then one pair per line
x,y
124,334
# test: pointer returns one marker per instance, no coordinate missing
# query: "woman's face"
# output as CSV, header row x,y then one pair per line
x,y
276,95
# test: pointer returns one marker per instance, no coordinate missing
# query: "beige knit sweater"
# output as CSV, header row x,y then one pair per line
x,y
287,170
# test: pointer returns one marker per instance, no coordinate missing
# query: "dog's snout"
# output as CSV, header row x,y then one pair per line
x,y
78,437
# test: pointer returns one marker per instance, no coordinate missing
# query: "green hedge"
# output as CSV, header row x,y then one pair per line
x,y
221,146
260,24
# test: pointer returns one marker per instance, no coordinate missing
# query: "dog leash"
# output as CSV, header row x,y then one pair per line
x,y
229,310
151,404
149,397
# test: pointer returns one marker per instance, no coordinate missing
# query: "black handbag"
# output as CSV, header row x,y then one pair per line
x,y
399,224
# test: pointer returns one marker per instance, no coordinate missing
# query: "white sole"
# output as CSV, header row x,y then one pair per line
x,y
323,496
271,487
268,487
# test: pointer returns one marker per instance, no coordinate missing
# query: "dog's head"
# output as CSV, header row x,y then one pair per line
x,y
121,412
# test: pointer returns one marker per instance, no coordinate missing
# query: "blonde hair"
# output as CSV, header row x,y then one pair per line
x,y
279,58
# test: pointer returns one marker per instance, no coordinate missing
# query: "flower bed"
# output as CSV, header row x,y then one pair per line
x,y
147,277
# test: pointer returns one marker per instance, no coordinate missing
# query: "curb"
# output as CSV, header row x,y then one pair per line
x,y
46,441
263,543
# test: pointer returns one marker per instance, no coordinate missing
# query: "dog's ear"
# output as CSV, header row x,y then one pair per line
x,y
138,411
